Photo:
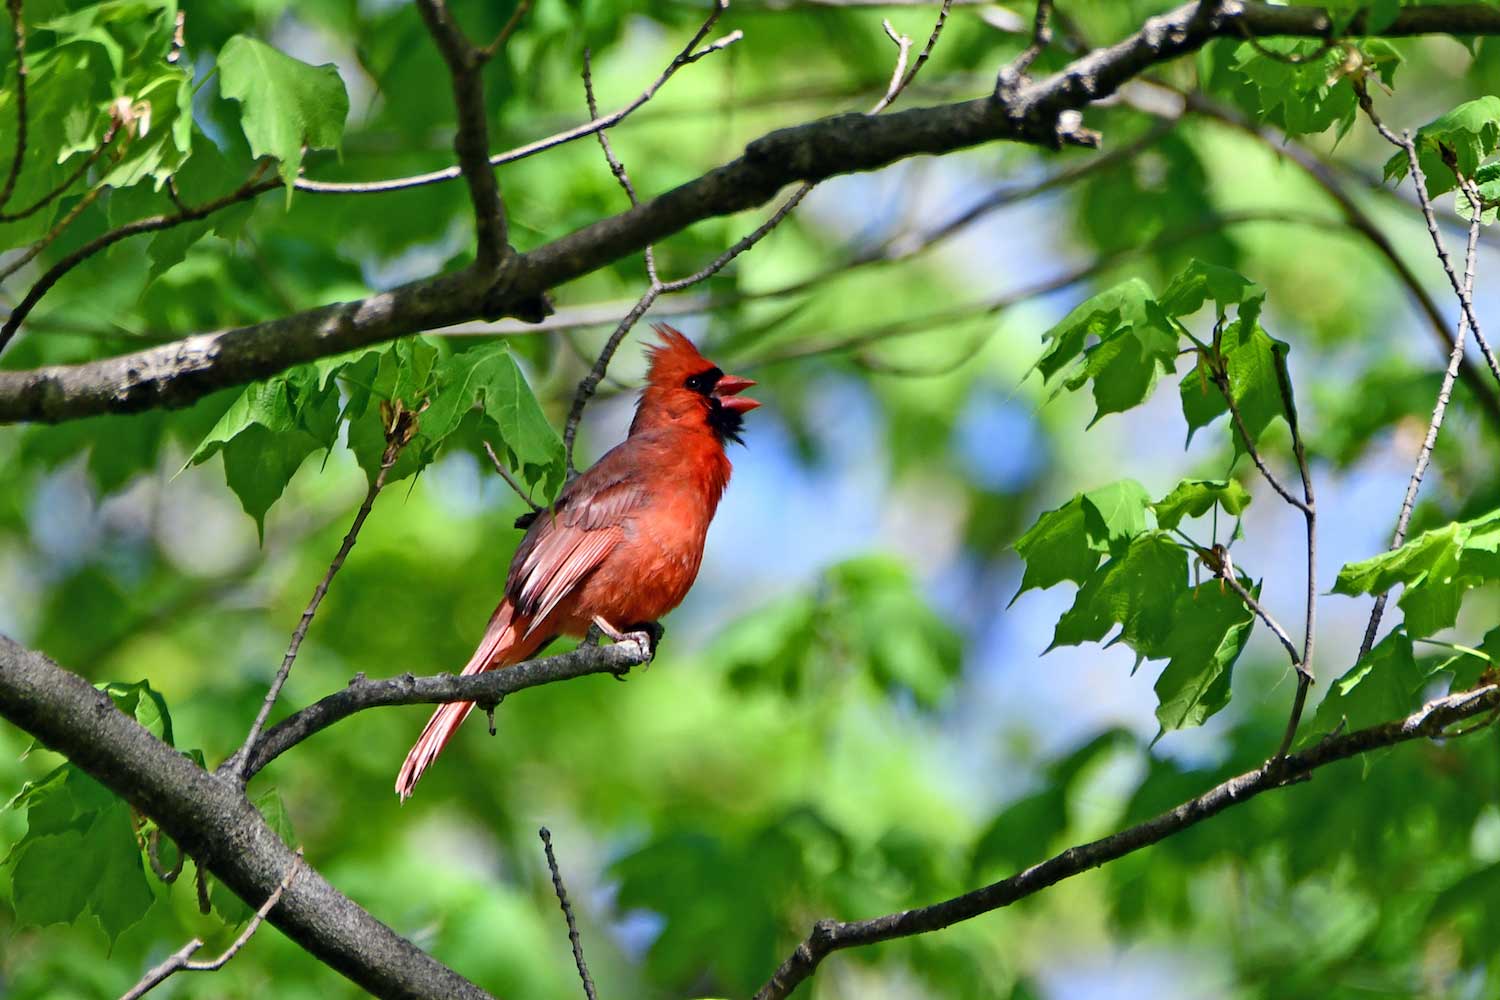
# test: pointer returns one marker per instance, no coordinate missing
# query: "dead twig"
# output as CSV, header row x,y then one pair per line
x,y
181,959
567,908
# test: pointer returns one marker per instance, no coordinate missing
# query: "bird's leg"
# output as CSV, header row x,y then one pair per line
x,y
606,628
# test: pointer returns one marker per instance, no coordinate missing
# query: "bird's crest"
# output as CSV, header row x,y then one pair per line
x,y
674,360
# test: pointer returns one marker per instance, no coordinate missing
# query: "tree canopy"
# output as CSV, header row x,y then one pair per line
x,y
1104,602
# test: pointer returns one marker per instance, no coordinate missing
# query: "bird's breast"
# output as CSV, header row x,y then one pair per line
x,y
653,566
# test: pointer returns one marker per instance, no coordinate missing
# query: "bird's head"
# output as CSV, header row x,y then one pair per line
x,y
683,388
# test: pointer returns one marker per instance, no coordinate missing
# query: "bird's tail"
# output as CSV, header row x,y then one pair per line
x,y
505,642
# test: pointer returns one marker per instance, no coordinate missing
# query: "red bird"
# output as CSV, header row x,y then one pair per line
x,y
622,544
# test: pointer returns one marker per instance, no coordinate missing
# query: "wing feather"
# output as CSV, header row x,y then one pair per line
x,y
568,541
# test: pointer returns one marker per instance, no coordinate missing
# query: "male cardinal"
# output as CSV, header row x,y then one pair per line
x,y
622,544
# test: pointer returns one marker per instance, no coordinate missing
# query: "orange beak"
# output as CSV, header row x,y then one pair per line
x,y
728,389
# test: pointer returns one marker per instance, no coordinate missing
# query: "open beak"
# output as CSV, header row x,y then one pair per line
x,y
728,389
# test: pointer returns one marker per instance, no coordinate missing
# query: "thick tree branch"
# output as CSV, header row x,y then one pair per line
x,y
1429,722
214,822
487,689
809,153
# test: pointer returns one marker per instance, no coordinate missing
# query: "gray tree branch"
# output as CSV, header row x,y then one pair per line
x,y
213,821
486,689
1043,112
1431,721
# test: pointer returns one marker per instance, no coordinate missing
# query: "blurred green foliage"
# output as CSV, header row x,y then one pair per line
x,y
845,719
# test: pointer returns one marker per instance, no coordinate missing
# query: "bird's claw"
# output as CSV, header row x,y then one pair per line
x,y
653,631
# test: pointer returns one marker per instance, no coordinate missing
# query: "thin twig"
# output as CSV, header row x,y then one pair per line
x,y
1419,182
1221,380
689,54
1464,289
590,382
505,474
615,166
399,431
18,36
1226,574
66,182
1309,510
52,234
898,72
1014,74
490,688
155,223
491,50
562,899
180,960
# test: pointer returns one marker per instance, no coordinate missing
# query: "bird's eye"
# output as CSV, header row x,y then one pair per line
x,y
704,382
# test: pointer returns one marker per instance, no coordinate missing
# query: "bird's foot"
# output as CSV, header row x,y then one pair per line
x,y
654,631
643,637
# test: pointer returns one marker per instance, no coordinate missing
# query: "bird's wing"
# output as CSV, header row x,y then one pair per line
x,y
567,542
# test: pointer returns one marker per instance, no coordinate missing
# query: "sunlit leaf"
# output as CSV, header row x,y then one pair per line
x,y
287,104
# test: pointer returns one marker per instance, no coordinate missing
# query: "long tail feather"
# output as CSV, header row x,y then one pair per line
x,y
504,643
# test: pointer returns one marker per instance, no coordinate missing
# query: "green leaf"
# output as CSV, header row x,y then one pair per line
x,y
1470,133
1200,282
1193,498
921,657
206,175
1067,543
1057,548
789,644
267,432
1119,341
1136,590
1211,627
1385,685
1304,91
1116,513
143,704
80,855
286,103
1437,568
1254,362
490,377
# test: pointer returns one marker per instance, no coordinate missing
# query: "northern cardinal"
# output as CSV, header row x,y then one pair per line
x,y
621,545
